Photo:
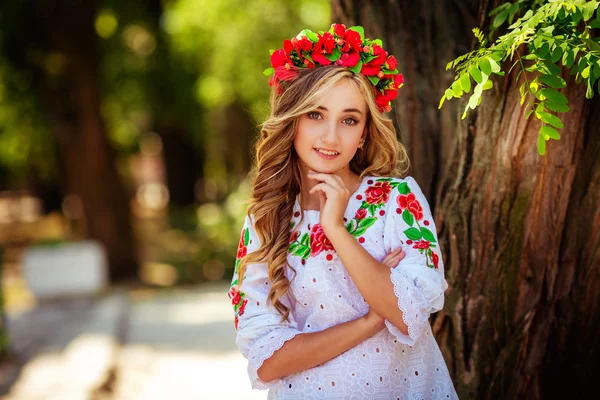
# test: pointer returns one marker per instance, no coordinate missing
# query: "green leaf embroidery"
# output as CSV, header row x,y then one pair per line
x,y
428,235
403,188
413,233
408,217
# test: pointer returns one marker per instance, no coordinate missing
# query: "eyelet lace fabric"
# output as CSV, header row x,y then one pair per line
x,y
388,365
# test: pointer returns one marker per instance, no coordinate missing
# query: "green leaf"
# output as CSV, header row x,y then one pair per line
x,y
358,29
541,145
554,95
363,225
408,217
589,93
374,80
488,85
556,107
586,72
500,18
356,69
269,71
441,102
413,233
473,100
556,54
551,119
550,132
552,68
588,9
448,94
335,55
465,82
349,226
476,74
495,66
403,188
247,237
485,66
309,34
428,235
456,89
553,81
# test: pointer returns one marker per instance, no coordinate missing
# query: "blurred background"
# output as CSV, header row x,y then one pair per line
x,y
125,137
126,133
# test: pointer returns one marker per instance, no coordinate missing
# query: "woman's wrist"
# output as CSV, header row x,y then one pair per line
x,y
372,325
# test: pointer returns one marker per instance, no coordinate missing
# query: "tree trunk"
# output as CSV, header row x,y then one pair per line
x,y
72,97
520,232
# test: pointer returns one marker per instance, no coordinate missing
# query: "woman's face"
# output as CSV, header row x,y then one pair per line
x,y
335,127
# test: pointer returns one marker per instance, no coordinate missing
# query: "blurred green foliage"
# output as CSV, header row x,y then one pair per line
x,y
184,60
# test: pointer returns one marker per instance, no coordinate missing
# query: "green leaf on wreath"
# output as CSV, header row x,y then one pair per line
x,y
335,55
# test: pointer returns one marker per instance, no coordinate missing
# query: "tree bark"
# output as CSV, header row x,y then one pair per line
x,y
72,98
520,233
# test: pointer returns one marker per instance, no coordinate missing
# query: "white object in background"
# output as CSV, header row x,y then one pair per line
x,y
65,269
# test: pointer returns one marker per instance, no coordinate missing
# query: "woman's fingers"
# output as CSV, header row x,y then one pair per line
x,y
392,259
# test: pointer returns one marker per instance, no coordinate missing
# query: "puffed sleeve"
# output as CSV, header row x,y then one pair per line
x,y
260,331
418,279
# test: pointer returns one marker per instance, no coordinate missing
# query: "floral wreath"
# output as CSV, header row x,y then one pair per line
x,y
340,46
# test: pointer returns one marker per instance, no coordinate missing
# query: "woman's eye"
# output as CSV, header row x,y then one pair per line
x,y
350,121
313,115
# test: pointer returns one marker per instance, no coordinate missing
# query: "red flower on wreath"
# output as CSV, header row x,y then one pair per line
x,y
378,193
412,204
318,241
242,250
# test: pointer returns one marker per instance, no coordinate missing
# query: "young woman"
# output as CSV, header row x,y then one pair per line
x,y
338,266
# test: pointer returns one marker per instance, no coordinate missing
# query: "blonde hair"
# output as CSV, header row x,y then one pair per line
x,y
276,174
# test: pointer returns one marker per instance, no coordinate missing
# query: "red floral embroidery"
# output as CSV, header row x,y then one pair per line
x,y
318,241
238,302
435,259
242,249
361,213
294,236
420,244
379,192
412,204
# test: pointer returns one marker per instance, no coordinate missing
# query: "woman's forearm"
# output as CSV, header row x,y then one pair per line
x,y
371,277
308,350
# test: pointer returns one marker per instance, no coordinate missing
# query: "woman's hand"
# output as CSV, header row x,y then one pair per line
x,y
393,258
334,197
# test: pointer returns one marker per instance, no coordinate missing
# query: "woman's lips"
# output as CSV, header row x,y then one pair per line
x,y
325,156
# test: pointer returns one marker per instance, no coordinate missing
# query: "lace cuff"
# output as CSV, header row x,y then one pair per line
x,y
264,348
419,292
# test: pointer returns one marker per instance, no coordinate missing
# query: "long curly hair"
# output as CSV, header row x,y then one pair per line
x,y
277,177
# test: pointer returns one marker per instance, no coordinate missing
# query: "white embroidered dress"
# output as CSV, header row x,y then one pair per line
x,y
382,214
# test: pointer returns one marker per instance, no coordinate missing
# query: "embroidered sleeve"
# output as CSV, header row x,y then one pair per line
x,y
418,279
260,331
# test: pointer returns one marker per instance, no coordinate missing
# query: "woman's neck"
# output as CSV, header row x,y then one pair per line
x,y
311,201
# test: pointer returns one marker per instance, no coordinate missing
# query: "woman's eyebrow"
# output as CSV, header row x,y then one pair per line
x,y
346,110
